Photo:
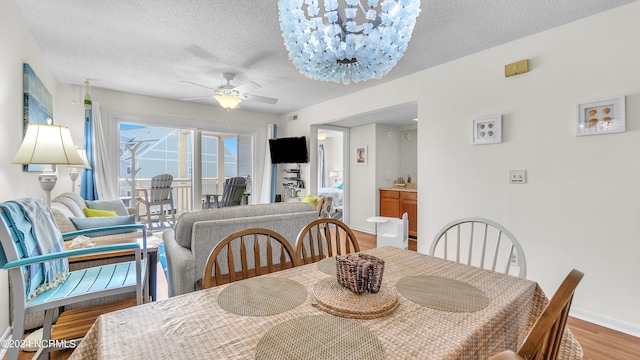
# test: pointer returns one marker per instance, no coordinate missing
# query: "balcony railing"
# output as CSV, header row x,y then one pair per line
x,y
182,190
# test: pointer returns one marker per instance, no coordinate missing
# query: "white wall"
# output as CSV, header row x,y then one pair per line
x,y
17,46
408,154
362,177
581,205
387,159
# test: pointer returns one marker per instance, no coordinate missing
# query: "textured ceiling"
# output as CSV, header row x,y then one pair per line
x,y
150,47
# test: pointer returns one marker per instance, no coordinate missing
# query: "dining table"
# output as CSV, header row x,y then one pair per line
x,y
426,308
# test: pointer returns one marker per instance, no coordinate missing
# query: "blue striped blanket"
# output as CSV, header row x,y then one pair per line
x,y
35,232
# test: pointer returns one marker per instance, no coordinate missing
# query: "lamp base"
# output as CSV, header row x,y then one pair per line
x,y
47,183
74,176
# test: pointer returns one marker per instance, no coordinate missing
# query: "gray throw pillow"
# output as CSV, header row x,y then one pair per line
x,y
98,222
110,205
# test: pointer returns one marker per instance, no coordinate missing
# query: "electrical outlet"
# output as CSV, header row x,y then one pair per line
x,y
518,176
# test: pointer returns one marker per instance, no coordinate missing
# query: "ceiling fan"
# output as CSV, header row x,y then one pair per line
x,y
230,96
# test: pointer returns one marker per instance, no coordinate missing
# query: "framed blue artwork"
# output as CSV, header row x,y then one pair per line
x,y
38,106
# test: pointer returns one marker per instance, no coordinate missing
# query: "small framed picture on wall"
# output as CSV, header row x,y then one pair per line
x,y
601,116
361,155
487,130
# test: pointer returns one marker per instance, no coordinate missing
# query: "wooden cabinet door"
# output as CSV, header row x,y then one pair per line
x,y
409,204
389,203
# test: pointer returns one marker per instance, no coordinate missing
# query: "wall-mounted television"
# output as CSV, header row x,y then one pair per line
x,y
289,150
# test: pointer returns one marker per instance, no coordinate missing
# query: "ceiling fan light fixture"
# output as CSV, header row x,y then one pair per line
x,y
228,102
347,40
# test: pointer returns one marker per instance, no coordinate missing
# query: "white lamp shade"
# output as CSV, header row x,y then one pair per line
x,y
83,156
48,144
228,102
85,162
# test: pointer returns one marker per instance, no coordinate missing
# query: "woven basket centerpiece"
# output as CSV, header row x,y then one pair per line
x,y
361,273
366,298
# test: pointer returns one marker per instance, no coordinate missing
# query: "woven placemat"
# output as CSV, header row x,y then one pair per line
x,y
319,337
334,299
328,265
442,293
262,296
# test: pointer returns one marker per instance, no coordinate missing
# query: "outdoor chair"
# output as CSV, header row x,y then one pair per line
x,y
160,193
232,193
35,256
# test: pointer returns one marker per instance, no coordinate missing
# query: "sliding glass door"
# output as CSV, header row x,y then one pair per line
x,y
146,151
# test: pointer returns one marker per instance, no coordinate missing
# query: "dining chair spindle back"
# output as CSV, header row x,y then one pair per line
x,y
482,243
245,254
544,338
325,237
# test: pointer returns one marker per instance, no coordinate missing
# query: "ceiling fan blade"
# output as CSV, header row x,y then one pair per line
x,y
206,87
262,99
247,87
197,98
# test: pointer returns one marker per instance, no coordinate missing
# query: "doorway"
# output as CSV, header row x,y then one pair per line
x,y
332,168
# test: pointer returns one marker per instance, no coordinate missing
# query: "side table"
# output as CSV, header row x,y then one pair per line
x,y
118,256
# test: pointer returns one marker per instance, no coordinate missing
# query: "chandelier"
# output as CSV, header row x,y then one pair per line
x,y
347,42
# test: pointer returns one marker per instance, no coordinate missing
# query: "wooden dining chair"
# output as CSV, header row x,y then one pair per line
x,y
544,338
482,243
319,240
245,254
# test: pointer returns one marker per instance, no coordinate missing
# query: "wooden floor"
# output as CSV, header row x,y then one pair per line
x,y
598,343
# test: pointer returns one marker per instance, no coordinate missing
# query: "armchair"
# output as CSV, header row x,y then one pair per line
x,y
34,255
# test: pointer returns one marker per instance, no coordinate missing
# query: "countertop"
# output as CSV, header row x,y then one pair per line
x,y
407,188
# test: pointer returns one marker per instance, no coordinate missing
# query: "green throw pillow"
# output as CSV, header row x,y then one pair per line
x,y
98,222
111,205
311,199
98,213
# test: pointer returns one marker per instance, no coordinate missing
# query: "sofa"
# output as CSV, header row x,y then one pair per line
x,y
71,205
195,234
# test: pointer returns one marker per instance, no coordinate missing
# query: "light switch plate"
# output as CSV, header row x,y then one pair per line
x,y
518,176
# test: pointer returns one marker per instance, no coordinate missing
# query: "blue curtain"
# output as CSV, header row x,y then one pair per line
x,y
88,190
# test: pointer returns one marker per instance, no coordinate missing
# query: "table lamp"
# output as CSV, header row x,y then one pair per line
x,y
73,174
48,145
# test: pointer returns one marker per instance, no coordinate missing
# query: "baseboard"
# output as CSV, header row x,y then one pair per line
x,y
613,324
368,231
5,336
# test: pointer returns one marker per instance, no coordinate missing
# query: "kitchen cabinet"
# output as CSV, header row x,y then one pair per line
x,y
394,203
